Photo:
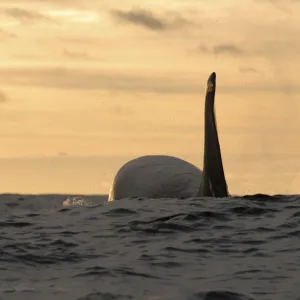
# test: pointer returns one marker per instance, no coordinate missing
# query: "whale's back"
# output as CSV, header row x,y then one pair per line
x,y
156,176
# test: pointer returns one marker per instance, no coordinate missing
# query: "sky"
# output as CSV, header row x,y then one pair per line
x,y
87,85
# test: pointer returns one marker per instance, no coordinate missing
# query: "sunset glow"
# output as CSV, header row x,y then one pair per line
x,y
88,85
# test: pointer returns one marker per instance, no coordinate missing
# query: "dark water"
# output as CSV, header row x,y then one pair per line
x,y
212,249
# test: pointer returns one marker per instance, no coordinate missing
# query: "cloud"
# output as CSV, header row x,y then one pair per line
x,y
146,19
141,18
6,35
227,48
61,153
64,78
80,40
80,79
59,3
220,49
122,111
76,55
248,70
25,16
284,6
3,97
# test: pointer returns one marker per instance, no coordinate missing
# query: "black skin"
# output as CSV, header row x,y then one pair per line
x,y
213,182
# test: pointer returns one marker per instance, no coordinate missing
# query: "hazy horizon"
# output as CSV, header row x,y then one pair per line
x,y
87,86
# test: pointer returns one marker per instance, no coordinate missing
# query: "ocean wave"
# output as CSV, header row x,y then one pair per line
x,y
197,248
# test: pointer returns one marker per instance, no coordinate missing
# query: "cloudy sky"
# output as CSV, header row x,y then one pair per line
x,y
87,85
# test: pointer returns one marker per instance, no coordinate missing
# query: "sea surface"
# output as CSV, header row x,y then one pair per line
x,y
67,247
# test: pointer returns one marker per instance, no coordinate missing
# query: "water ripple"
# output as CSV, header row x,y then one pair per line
x,y
198,248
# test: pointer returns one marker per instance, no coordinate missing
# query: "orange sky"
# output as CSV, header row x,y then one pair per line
x,y
88,85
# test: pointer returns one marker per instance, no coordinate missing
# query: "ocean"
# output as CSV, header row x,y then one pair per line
x,y
67,247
